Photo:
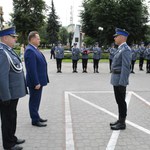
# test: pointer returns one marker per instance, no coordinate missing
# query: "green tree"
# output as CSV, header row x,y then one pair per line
x,y
52,26
70,39
27,16
131,15
43,35
63,35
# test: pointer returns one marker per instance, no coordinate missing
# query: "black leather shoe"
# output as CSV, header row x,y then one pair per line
x,y
20,141
114,123
39,124
43,120
16,147
119,126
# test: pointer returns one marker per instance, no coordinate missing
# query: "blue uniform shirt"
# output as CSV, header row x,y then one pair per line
x,y
84,53
147,53
141,51
59,52
121,64
112,52
134,53
75,53
97,53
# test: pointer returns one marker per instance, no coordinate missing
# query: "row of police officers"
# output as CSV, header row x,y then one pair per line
x,y
59,55
142,52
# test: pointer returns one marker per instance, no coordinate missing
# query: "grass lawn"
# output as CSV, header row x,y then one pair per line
x,y
89,60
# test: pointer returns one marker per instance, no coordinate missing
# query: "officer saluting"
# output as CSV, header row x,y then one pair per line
x,y
120,73
12,87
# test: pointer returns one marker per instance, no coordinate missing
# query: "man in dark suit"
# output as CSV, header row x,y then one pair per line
x,y
37,77
120,75
12,87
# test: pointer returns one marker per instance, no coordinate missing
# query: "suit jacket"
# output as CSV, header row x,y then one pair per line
x,y
121,66
36,67
12,81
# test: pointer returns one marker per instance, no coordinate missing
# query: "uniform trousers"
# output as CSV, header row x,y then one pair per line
x,y
148,66
34,103
141,61
52,55
95,65
84,63
110,62
74,64
8,123
59,62
120,94
132,64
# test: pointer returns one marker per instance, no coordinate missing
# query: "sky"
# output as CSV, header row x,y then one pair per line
x,y
62,7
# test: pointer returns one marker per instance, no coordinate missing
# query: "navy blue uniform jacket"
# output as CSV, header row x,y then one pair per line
x,y
36,67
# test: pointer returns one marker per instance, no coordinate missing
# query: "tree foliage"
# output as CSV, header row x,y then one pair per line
x,y
70,39
131,15
27,16
63,35
52,26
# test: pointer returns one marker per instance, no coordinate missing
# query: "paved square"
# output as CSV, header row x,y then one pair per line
x,y
88,100
73,140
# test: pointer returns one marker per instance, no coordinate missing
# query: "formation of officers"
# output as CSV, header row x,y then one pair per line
x,y
140,52
84,51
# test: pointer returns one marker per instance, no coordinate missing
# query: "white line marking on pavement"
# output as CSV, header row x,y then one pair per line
x,y
113,140
68,121
91,92
112,114
142,99
115,134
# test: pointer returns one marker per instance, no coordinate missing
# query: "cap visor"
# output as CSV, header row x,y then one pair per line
x,y
115,35
15,35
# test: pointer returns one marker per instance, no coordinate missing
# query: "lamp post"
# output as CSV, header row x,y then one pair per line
x,y
1,18
100,29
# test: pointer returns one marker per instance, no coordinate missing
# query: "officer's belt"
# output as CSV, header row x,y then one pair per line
x,y
116,71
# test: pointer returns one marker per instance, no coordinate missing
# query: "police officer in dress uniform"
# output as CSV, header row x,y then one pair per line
x,y
112,51
120,75
12,87
147,56
96,57
134,52
59,55
141,52
75,57
84,52
52,52
36,77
